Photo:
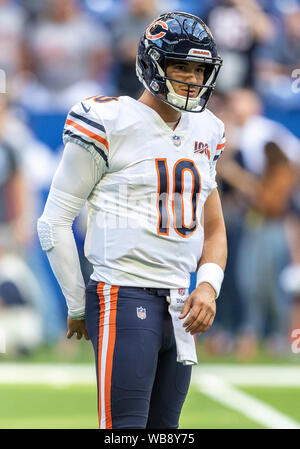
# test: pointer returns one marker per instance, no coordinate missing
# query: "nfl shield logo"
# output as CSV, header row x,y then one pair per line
x,y
141,313
176,141
181,291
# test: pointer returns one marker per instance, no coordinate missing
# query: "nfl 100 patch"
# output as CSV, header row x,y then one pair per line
x,y
141,313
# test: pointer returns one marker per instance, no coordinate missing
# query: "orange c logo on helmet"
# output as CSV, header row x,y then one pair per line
x,y
159,35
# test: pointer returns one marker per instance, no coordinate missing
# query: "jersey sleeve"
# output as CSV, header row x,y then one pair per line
x,y
84,127
218,150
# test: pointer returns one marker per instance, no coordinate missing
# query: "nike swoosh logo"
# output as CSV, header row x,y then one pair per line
x,y
85,108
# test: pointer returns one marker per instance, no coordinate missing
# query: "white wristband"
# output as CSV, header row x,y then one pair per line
x,y
211,273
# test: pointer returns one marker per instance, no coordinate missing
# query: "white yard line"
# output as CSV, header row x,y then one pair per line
x,y
218,389
246,375
255,375
47,374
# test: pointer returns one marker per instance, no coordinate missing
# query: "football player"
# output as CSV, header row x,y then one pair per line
x,y
146,171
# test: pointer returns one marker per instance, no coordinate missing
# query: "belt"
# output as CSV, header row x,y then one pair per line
x,y
151,291
157,291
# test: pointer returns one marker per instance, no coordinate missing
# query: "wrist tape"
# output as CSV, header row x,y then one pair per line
x,y
211,273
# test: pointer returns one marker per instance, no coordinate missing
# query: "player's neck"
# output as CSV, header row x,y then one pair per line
x,y
167,113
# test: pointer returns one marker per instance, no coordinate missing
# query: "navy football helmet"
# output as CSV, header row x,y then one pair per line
x,y
175,36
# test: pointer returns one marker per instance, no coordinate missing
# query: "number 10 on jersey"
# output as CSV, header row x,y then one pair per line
x,y
180,167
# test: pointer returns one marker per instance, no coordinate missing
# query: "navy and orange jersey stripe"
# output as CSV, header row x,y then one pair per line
x,y
81,128
222,143
220,148
106,344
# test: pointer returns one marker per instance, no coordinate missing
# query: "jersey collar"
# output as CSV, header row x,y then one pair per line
x,y
181,129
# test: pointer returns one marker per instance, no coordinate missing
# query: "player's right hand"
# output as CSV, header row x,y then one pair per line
x,y
200,306
77,327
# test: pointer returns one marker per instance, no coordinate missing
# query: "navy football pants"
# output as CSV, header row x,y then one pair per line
x,y
140,383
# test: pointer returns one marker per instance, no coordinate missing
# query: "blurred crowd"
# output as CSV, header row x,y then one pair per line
x,y
54,53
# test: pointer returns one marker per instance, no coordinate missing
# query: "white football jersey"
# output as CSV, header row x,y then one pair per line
x,y
143,226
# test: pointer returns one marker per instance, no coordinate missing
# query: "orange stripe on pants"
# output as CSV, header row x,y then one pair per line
x,y
110,353
113,297
100,341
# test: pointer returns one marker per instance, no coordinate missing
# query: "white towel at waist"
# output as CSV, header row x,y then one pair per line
x,y
185,343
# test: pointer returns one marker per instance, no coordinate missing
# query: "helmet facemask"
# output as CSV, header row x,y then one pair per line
x,y
186,102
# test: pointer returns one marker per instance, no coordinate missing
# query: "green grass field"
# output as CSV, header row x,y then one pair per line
x,y
201,412
42,407
285,399
74,407
55,388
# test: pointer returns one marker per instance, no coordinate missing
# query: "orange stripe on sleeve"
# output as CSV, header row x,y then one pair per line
x,y
87,132
222,145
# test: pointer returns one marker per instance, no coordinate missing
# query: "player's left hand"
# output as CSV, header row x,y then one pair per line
x,y
200,306
77,327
